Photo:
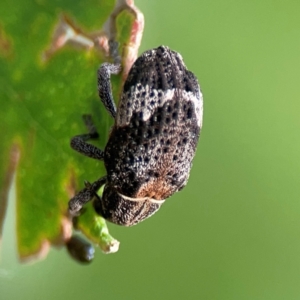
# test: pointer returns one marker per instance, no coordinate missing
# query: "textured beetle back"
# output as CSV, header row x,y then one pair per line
x,y
157,127
152,80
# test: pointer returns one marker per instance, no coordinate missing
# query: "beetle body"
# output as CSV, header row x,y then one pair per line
x,y
149,153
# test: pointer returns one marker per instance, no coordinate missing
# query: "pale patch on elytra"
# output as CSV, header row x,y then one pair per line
x,y
198,102
159,99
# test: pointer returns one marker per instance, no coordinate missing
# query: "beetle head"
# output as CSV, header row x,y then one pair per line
x,y
118,209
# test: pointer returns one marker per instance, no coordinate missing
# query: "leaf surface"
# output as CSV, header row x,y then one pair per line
x,y
49,55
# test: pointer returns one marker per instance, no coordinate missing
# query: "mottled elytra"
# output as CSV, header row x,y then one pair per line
x,y
149,153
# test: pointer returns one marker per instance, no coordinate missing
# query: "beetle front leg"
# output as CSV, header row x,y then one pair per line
x,y
85,195
79,143
104,85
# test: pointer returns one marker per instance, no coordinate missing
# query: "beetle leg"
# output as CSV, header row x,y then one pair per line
x,y
104,85
85,195
114,51
79,143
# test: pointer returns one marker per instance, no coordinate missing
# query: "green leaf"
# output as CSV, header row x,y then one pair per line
x,y
47,81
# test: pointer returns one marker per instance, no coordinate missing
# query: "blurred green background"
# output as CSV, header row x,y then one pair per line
x,y
234,231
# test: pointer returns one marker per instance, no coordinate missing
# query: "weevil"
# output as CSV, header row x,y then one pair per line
x,y
149,153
